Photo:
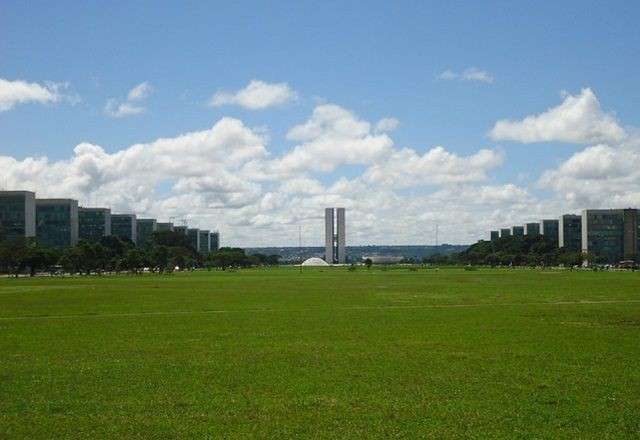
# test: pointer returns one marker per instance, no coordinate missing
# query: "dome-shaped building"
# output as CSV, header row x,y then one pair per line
x,y
315,261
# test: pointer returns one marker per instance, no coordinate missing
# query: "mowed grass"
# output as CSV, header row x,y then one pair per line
x,y
328,353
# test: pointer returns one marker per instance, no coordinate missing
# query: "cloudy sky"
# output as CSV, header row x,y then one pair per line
x,y
251,117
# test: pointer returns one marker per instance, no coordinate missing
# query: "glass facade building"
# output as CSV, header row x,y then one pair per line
x,y
505,232
532,229
570,232
93,223
61,223
610,234
180,229
517,230
194,237
124,225
57,222
214,241
17,214
205,241
549,228
144,228
164,227
495,235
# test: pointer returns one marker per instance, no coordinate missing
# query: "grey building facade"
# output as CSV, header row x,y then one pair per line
x,y
610,234
194,237
214,241
57,222
165,226
335,235
205,241
570,232
144,228
532,228
93,223
517,230
549,228
505,232
180,229
18,214
494,235
124,225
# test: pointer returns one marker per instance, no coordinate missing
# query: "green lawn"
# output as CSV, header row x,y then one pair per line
x,y
273,353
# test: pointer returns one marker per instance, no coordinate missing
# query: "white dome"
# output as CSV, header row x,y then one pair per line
x,y
315,261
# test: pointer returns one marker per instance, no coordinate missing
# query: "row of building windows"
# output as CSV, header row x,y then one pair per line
x,y
61,222
611,235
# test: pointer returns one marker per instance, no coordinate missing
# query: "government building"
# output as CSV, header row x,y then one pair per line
x,y
61,223
611,235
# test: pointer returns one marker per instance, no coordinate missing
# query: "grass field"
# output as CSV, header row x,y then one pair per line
x,y
273,353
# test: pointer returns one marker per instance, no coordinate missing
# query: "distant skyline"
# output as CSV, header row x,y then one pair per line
x,y
252,117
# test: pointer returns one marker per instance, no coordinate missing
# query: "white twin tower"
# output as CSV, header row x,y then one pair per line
x,y
334,236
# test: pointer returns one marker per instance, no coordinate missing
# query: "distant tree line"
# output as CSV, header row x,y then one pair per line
x,y
163,252
521,250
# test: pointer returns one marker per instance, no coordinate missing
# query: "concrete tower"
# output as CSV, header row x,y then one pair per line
x,y
328,235
335,235
340,236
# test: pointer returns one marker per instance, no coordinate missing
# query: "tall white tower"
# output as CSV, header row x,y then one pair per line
x,y
335,235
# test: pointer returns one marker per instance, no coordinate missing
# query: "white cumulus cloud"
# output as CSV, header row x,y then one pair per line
x,y
131,105
405,168
17,92
579,119
600,176
225,177
386,124
257,95
332,137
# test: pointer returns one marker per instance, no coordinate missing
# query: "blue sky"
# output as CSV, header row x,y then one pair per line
x,y
400,60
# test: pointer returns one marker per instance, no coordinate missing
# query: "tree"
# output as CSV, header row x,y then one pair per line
x,y
15,254
134,260
368,263
117,245
273,259
87,261
229,257
35,259
159,257
170,239
72,260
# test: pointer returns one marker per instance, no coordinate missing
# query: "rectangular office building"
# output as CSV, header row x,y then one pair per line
x,y
180,229
610,234
495,235
164,227
93,223
549,228
335,235
124,225
214,241
205,241
18,214
517,230
144,228
57,222
505,232
194,236
570,232
532,229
